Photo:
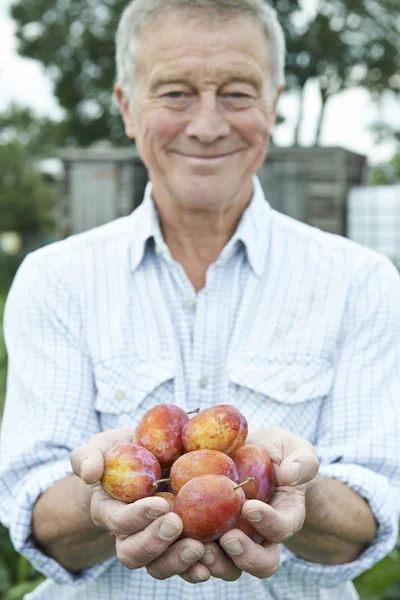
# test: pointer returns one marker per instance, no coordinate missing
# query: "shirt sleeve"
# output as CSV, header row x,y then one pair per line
x,y
49,409
358,435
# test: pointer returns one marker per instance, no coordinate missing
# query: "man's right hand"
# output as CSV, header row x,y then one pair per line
x,y
144,531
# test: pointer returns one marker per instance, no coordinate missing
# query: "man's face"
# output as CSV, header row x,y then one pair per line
x,y
200,112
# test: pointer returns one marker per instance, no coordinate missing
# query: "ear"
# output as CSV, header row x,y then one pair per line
x,y
126,111
279,92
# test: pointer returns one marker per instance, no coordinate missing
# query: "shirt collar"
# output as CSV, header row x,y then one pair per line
x,y
253,230
147,227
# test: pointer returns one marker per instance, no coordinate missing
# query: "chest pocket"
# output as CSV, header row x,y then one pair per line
x,y
280,393
128,386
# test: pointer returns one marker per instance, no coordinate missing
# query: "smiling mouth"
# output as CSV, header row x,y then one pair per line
x,y
206,156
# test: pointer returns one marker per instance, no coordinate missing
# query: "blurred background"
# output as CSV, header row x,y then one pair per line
x,y
66,166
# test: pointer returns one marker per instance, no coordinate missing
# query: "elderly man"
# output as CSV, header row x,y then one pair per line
x,y
204,295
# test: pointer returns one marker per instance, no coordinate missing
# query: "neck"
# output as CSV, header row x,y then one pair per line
x,y
196,238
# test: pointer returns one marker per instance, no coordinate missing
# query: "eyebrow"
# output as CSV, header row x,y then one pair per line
x,y
186,78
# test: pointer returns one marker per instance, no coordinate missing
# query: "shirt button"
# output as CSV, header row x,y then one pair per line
x,y
119,395
190,302
291,386
203,382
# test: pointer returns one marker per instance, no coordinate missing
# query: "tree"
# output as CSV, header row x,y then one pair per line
x,y
387,174
74,40
40,136
347,43
26,199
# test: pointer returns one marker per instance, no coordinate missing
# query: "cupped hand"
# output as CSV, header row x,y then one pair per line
x,y
145,531
295,465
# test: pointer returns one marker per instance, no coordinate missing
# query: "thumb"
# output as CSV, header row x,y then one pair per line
x,y
297,468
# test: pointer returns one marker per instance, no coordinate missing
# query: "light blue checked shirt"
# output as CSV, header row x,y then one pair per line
x,y
295,326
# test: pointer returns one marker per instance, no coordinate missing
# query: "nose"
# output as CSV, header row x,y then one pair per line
x,y
208,123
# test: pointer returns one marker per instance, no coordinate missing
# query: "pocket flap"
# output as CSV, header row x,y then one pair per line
x,y
282,381
124,382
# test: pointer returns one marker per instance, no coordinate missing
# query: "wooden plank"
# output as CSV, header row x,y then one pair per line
x,y
332,225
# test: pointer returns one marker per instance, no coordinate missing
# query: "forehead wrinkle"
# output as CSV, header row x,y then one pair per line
x,y
223,75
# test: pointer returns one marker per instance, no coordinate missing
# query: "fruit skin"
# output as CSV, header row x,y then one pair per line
x,y
159,430
129,472
169,497
201,462
209,507
221,427
253,461
249,530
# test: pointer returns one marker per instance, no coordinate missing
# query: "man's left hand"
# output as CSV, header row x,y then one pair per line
x,y
295,464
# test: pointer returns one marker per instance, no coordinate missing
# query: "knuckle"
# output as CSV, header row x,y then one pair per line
x,y
149,551
268,570
109,522
125,558
281,536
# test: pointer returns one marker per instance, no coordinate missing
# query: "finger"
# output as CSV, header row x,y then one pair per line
x,y
142,548
219,564
177,559
294,458
198,573
297,468
121,519
259,560
276,523
87,461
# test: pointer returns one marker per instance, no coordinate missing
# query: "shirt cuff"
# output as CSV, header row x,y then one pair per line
x,y
35,483
378,491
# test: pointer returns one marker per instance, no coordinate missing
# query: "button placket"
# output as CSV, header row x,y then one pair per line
x,y
291,386
203,381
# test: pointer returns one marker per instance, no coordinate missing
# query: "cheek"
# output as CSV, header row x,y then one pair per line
x,y
159,127
255,127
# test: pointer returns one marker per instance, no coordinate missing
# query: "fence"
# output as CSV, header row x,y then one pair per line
x,y
309,184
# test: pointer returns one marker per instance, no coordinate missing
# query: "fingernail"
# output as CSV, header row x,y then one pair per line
x,y
208,557
189,555
153,513
196,578
296,471
253,515
233,547
168,530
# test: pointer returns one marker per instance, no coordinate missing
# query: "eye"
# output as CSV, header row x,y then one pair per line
x,y
175,95
239,95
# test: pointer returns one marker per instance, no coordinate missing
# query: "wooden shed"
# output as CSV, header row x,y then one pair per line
x,y
313,184
309,184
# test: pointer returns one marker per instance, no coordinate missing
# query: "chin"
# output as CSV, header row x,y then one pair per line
x,y
209,193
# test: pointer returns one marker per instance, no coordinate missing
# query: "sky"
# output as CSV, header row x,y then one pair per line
x,y
348,115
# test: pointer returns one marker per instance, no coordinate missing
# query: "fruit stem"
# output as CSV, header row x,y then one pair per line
x,y
192,412
248,480
156,483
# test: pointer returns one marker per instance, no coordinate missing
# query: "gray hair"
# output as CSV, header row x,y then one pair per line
x,y
138,14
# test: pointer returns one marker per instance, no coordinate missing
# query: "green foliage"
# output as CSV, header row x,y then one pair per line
x,y
386,174
346,43
26,199
39,135
17,576
383,580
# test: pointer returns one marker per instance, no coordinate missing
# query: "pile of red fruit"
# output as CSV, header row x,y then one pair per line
x,y
200,465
